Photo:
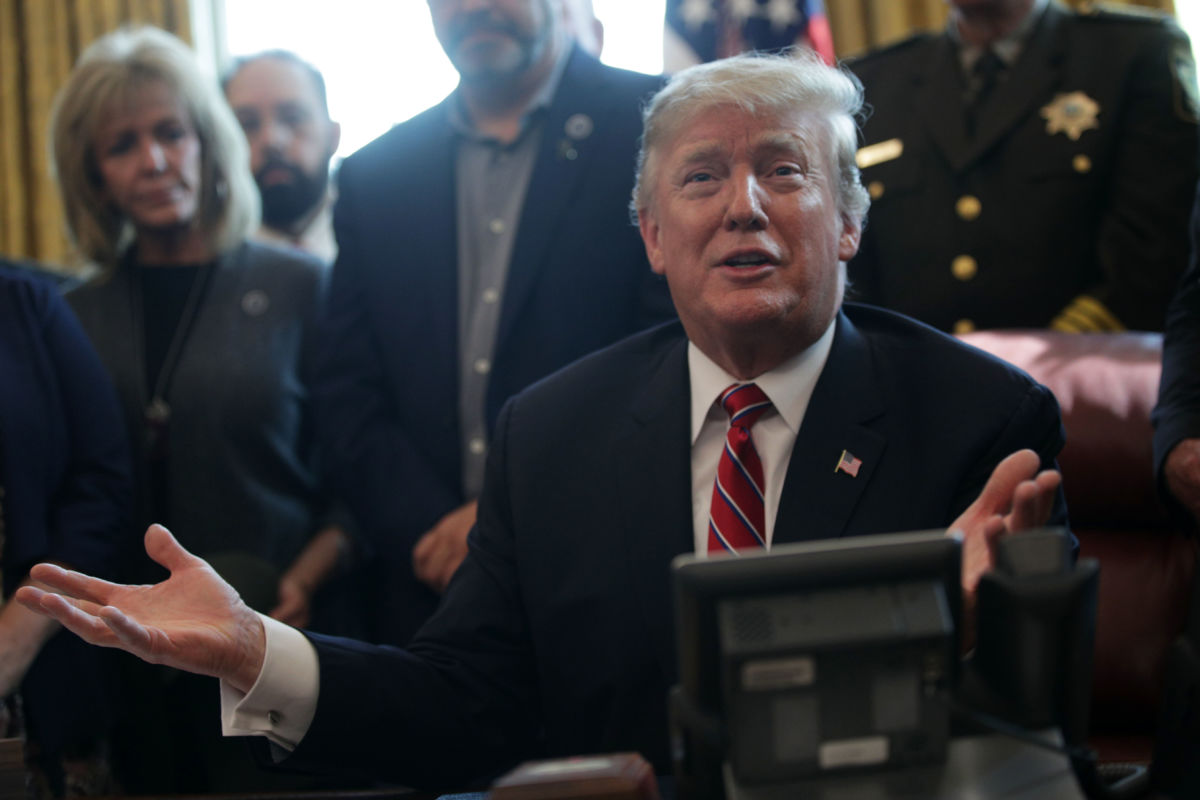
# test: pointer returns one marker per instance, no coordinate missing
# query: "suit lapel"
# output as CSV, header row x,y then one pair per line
x,y
939,102
818,499
1028,84
561,160
653,445
421,305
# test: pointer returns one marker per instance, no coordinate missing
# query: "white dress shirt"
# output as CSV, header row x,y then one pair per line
x,y
789,388
283,700
281,703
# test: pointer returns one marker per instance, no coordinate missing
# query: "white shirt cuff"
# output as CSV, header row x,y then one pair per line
x,y
281,703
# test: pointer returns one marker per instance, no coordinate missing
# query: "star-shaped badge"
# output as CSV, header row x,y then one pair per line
x,y
1071,113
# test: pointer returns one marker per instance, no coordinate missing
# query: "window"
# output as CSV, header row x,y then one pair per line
x,y
380,59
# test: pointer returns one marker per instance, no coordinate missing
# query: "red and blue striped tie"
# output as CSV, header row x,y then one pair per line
x,y
737,519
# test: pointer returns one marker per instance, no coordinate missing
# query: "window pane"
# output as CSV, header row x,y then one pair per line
x,y
387,66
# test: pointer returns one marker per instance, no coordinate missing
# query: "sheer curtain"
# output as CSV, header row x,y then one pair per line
x,y
39,42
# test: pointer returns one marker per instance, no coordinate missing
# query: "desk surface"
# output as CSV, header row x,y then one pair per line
x,y
976,768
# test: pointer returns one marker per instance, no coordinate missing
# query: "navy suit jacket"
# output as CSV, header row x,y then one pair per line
x,y
387,384
1177,415
64,471
556,636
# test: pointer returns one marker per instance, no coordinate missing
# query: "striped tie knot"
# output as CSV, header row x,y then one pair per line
x,y
744,403
737,513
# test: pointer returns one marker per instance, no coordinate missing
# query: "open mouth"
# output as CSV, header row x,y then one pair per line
x,y
747,261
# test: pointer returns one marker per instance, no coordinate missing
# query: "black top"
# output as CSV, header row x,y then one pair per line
x,y
165,293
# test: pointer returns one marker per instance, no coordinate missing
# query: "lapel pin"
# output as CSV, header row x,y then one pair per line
x,y
255,302
579,127
848,464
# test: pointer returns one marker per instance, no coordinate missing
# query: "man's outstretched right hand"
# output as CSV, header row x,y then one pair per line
x,y
193,620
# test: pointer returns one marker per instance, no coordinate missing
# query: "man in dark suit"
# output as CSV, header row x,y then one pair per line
x,y
483,245
555,636
1029,167
1177,415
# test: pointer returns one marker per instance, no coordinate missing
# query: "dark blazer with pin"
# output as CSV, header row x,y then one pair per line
x,y
556,635
241,463
1010,228
387,386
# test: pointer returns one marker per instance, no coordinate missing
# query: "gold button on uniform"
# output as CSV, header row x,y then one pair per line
x,y
1081,163
964,326
964,268
875,189
968,207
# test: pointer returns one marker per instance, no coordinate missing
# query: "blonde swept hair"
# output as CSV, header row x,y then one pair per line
x,y
762,85
107,75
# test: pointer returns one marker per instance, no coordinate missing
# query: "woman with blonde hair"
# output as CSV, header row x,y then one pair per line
x,y
205,334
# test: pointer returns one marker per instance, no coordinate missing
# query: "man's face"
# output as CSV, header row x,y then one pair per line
x,y
491,40
743,221
291,137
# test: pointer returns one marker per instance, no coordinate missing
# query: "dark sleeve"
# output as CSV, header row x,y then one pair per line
x,y
327,510
460,704
90,510
1177,415
372,462
1143,242
1035,424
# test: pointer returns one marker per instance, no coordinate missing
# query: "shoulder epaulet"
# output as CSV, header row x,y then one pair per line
x,y
891,49
1117,12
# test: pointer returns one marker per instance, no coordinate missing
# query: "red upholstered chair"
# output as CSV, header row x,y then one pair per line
x,y
1106,385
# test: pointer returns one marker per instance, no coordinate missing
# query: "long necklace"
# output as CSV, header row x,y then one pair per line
x,y
157,412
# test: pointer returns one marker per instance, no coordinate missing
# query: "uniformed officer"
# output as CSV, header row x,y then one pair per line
x,y
1029,167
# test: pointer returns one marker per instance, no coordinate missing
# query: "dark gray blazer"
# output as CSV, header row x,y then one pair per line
x,y
241,468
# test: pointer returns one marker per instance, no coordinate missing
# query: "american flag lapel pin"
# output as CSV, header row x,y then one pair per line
x,y
848,464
